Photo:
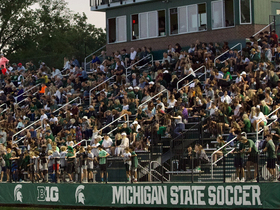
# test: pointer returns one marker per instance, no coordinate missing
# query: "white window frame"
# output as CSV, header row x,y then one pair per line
x,y
187,21
117,41
147,23
240,13
125,29
224,16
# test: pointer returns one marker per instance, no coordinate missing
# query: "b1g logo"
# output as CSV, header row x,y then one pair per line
x,y
48,194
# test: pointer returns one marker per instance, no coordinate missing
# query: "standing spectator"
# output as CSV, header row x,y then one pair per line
x,y
251,150
3,60
102,155
271,157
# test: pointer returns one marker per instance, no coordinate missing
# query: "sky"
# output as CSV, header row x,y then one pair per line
x,y
95,18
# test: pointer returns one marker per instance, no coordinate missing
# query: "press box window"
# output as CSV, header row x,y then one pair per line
x,y
222,14
245,11
117,29
148,25
187,19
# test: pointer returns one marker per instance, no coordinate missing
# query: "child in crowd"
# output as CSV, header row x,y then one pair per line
x,y
134,163
44,163
14,166
56,163
90,158
63,162
127,162
50,164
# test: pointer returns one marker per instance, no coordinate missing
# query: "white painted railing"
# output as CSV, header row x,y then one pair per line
x,y
205,72
25,93
165,90
263,29
227,52
85,60
267,117
150,55
104,82
119,118
212,155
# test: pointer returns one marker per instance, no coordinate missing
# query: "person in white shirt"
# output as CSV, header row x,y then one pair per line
x,y
260,119
238,78
127,162
218,75
125,143
159,102
226,98
53,119
107,143
43,116
132,54
94,146
56,73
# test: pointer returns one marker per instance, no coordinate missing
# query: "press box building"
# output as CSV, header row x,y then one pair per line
x,y
157,23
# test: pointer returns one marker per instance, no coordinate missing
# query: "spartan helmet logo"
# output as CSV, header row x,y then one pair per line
x,y
17,193
80,197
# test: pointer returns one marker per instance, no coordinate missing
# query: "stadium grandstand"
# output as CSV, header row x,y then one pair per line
x,y
173,113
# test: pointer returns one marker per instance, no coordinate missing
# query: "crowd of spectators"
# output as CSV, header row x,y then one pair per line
x,y
230,105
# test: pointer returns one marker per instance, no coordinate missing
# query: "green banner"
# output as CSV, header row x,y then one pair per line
x,y
179,195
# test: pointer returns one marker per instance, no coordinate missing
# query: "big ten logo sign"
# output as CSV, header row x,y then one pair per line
x,y
48,194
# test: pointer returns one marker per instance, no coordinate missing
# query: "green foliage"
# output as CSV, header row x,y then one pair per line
x,y
48,31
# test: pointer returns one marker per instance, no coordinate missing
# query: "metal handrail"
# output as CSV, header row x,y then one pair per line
x,y
127,119
263,28
25,93
145,169
227,52
24,129
107,80
85,60
80,102
212,155
25,136
84,140
105,127
190,74
151,163
138,62
3,105
154,97
257,127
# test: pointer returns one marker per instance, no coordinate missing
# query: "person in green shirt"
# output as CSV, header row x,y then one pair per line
x,y
246,127
7,157
102,155
49,135
118,105
252,151
239,160
264,108
134,163
130,93
271,157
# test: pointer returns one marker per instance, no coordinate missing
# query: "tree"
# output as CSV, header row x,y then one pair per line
x,y
55,33
17,21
